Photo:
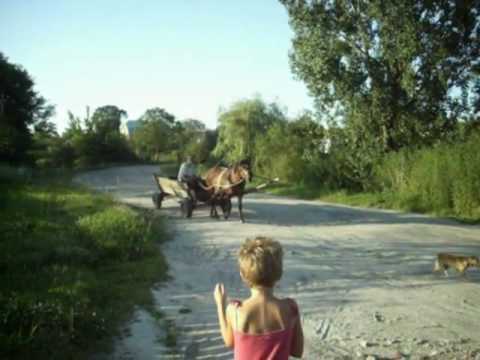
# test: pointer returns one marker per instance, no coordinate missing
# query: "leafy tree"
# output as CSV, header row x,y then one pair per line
x,y
46,127
151,139
393,67
199,145
194,125
158,114
191,137
107,119
156,135
20,107
98,140
241,125
207,145
160,133
52,151
193,140
293,150
74,127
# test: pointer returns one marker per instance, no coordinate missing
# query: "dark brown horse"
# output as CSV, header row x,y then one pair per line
x,y
227,183
201,192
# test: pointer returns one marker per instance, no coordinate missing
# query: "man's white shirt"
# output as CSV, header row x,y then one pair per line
x,y
186,170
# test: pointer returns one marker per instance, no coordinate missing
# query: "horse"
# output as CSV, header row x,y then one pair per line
x,y
228,182
200,191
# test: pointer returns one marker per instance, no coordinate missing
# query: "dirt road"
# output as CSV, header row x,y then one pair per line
x,y
363,278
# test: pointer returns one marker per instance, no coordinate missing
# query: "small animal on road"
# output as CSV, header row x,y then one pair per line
x,y
459,262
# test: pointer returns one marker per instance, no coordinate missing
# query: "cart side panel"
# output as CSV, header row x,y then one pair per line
x,y
170,187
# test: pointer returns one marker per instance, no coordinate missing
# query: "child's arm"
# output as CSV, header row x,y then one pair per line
x,y
297,339
220,296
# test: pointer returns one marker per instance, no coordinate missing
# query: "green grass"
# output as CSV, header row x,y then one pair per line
x,y
383,200
357,199
73,265
338,196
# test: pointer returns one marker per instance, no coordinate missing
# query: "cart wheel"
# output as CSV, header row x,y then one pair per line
x,y
157,199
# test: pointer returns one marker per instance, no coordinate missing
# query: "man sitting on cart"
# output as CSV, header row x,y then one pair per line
x,y
187,175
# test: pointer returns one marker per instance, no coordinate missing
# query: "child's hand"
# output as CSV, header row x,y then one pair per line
x,y
220,295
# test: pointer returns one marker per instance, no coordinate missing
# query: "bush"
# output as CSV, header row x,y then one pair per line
x,y
116,232
65,283
466,175
443,179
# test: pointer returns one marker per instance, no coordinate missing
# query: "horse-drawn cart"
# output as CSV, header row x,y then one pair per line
x,y
170,187
217,188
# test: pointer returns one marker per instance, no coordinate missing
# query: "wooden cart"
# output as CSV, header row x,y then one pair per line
x,y
173,188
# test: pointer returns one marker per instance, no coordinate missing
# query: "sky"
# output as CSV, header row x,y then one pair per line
x,y
190,57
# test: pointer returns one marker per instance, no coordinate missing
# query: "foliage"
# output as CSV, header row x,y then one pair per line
x,y
107,119
400,75
160,134
391,68
98,140
241,125
292,151
158,114
193,139
200,146
61,291
116,233
20,107
155,135
193,125
443,179
26,135
51,151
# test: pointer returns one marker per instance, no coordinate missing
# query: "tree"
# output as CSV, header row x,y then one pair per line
x,y
156,135
107,119
98,140
20,108
292,150
241,125
158,114
74,127
393,67
45,127
194,125
151,139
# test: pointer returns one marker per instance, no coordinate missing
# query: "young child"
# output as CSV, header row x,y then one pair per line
x,y
262,327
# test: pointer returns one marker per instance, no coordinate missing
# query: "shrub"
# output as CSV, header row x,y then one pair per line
x,y
62,290
116,232
443,179
466,180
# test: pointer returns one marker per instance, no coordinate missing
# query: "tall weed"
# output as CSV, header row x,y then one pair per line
x,y
443,179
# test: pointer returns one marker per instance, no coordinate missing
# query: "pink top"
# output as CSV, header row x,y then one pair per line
x,y
274,345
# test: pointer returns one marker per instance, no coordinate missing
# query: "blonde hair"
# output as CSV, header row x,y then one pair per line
x,y
260,261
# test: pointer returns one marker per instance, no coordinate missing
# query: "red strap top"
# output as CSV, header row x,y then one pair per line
x,y
274,345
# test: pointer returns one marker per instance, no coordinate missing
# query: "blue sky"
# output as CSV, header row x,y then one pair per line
x,y
190,57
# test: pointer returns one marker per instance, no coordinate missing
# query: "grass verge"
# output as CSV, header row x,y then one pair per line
x,y
382,200
73,265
